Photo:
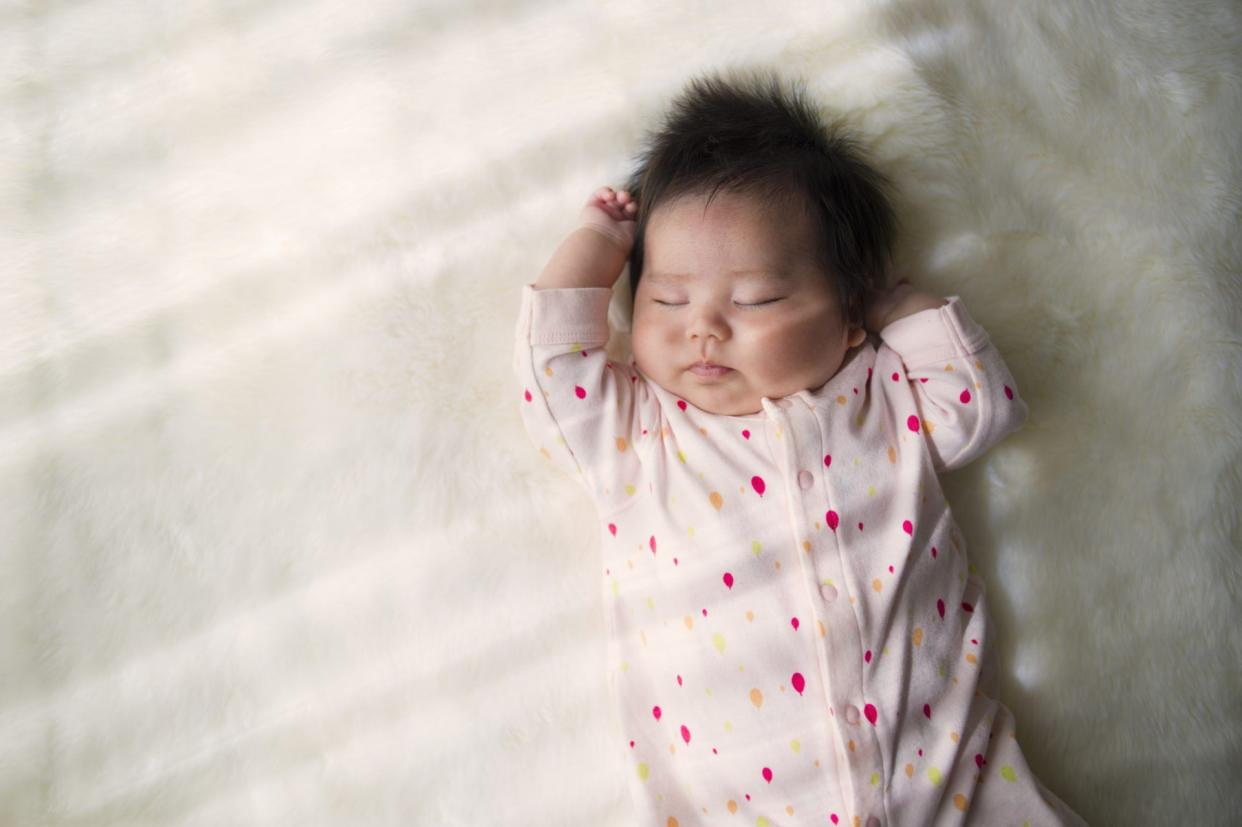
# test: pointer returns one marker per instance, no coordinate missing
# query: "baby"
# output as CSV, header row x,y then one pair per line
x,y
795,633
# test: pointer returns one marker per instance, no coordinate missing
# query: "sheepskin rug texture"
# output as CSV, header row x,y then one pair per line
x,y
274,546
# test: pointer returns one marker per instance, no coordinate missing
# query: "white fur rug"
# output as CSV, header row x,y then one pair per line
x,y
274,547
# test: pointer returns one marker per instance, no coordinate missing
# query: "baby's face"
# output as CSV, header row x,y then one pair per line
x,y
703,277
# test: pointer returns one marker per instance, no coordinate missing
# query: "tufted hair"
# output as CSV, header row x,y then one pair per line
x,y
753,135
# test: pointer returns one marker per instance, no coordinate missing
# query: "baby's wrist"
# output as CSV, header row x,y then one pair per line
x,y
911,304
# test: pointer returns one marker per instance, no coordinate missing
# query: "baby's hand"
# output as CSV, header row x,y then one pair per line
x,y
612,213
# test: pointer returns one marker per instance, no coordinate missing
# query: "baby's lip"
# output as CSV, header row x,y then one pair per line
x,y
709,365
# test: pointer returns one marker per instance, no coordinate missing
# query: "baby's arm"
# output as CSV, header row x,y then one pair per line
x,y
581,410
594,253
962,398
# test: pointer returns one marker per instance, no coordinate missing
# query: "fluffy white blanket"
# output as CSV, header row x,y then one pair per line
x,y
274,548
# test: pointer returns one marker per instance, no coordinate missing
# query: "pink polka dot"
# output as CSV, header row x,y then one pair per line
x,y
580,391
528,396
833,519
869,711
1008,392
965,397
681,404
913,423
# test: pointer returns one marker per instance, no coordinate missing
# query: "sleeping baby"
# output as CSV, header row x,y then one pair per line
x,y
796,635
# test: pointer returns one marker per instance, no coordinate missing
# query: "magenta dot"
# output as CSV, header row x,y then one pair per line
x,y
728,580
758,484
681,404
927,711
767,775
965,397
940,608
913,423
685,733
907,526
869,711
832,519
1008,392
799,683
527,396
827,460
655,710
794,622
580,391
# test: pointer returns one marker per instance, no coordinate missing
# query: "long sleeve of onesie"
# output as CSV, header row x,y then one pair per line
x,y
795,633
963,392
584,412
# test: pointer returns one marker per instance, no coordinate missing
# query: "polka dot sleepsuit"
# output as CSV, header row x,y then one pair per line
x,y
795,634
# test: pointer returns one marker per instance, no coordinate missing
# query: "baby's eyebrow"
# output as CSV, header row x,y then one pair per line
x,y
753,275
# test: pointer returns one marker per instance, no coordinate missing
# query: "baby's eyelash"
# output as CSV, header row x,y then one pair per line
x,y
739,304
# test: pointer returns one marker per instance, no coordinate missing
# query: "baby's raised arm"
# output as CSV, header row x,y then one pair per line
x,y
594,254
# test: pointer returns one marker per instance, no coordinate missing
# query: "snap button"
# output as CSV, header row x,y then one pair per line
x,y
785,403
828,592
873,822
805,479
851,713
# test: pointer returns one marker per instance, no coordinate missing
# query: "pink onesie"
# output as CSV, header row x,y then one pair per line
x,y
796,636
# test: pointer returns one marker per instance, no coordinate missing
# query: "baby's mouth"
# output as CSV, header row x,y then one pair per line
x,y
709,370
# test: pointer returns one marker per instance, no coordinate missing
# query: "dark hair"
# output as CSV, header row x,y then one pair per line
x,y
751,135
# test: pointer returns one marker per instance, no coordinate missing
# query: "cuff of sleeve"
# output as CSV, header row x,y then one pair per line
x,y
564,315
935,334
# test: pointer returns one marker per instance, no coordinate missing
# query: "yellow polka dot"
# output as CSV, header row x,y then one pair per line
x,y
909,770
934,775
948,368
716,500
870,490
548,370
841,400
877,585
643,772
756,547
918,635
875,779
953,736
719,642
806,546
795,745
681,457
761,822
728,726
961,802
1008,774
971,659
615,587
629,490
622,444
